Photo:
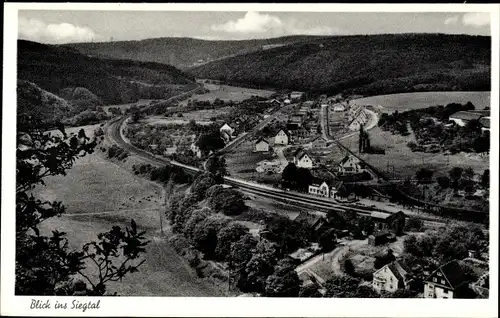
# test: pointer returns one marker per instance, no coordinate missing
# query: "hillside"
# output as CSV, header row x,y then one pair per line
x,y
369,65
38,107
57,68
32,101
80,96
180,52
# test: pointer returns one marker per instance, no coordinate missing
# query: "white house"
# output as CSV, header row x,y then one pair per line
x,y
320,189
351,165
225,136
446,282
282,138
338,108
261,145
302,160
390,278
196,150
226,128
287,101
357,118
463,117
296,95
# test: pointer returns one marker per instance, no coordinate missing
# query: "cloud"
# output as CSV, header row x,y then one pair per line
x,y
478,19
36,30
260,24
452,20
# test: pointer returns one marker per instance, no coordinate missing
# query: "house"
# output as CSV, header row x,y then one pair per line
x,y
335,186
297,119
320,141
275,103
388,223
267,166
357,122
390,278
282,137
301,159
296,95
380,238
287,101
338,108
311,220
448,281
196,150
351,165
261,145
461,118
225,136
226,128
342,193
320,189
485,123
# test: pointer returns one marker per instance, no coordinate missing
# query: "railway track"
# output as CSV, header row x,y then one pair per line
x,y
296,198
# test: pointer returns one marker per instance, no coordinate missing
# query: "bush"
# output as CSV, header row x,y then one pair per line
x,y
414,224
226,201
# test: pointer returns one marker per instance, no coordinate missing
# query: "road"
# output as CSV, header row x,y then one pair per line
x,y
372,122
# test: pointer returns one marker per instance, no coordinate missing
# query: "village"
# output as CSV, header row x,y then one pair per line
x,y
292,143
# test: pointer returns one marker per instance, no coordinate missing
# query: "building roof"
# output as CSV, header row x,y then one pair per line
x,y
347,157
285,131
397,270
337,184
485,122
386,217
226,126
300,153
453,273
380,215
465,115
308,218
261,140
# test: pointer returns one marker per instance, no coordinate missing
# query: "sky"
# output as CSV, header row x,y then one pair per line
x,y
55,27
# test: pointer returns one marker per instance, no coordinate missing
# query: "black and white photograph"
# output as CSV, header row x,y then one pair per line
x,y
272,153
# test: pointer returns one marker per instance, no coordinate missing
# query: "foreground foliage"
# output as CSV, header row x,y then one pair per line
x,y
45,265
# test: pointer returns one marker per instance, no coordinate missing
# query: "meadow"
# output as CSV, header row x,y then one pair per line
x,y
99,194
226,93
409,101
400,162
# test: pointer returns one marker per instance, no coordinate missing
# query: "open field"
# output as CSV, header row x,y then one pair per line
x,y
226,93
161,120
205,115
242,161
408,101
95,186
400,162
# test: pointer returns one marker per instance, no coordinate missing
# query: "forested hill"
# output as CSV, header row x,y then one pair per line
x,y
60,70
370,65
180,52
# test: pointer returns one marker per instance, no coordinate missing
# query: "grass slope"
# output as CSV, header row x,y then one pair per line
x,y
364,64
180,52
55,68
98,195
